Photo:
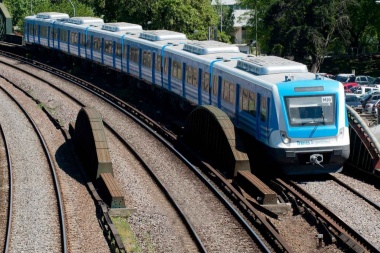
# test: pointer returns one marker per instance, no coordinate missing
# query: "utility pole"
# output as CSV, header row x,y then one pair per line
x,y
257,43
221,16
73,7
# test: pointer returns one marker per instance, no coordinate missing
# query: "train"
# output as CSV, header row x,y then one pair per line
x,y
299,118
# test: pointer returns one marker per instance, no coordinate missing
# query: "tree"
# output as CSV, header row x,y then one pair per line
x,y
182,16
307,27
365,23
258,9
18,9
21,8
226,21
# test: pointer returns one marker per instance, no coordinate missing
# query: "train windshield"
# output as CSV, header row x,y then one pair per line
x,y
311,110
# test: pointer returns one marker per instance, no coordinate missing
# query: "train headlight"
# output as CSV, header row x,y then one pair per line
x,y
285,139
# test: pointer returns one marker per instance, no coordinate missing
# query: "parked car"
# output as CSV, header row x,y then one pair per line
x,y
348,81
353,89
354,102
370,105
360,91
351,78
374,107
375,82
369,97
364,80
331,76
345,78
349,86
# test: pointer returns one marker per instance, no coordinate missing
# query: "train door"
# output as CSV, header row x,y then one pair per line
x,y
237,104
200,86
154,68
102,51
68,41
140,63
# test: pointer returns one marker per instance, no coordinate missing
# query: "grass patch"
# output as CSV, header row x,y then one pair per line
x,y
130,241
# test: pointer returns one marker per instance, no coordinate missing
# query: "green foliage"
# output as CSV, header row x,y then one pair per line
x,y
177,15
277,49
307,27
22,8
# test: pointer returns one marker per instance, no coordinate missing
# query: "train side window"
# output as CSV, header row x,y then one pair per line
x,y
228,90
35,29
44,31
206,81
125,51
177,70
74,38
108,46
158,62
147,59
97,44
118,50
52,33
195,77
252,103
83,39
55,33
263,109
215,85
189,73
64,36
248,102
166,65
134,55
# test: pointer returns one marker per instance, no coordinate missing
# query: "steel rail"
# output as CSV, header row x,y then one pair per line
x,y
10,191
345,233
52,168
357,193
166,192
166,138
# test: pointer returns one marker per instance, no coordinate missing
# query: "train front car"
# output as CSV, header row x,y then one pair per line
x,y
313,134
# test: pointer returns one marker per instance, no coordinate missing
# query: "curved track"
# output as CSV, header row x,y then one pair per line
x,y
12,236
336,226
369,155
153,127
7,194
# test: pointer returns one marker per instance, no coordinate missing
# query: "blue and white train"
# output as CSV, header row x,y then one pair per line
x,y
299,117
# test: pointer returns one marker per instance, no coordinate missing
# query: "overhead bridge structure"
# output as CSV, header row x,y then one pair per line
x,y
365,147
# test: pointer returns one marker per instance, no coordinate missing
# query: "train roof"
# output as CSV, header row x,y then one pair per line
x,y
53,16
85,21
210,47
266,65
120,27
160,35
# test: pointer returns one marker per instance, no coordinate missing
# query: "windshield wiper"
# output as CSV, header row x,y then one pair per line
x,y
316,126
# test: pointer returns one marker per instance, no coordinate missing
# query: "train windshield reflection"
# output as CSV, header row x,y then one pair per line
x,y
312,110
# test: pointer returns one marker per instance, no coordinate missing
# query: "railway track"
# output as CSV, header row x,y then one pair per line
x,y
5,192
150,124
356,192
36,218
246,207
334,227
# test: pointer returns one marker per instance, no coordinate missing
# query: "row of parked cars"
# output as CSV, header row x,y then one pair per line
x,y
362,92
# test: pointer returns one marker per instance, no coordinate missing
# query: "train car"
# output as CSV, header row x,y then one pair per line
x,y
297,117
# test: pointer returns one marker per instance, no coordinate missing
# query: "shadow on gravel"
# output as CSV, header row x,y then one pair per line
x,y
69,163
